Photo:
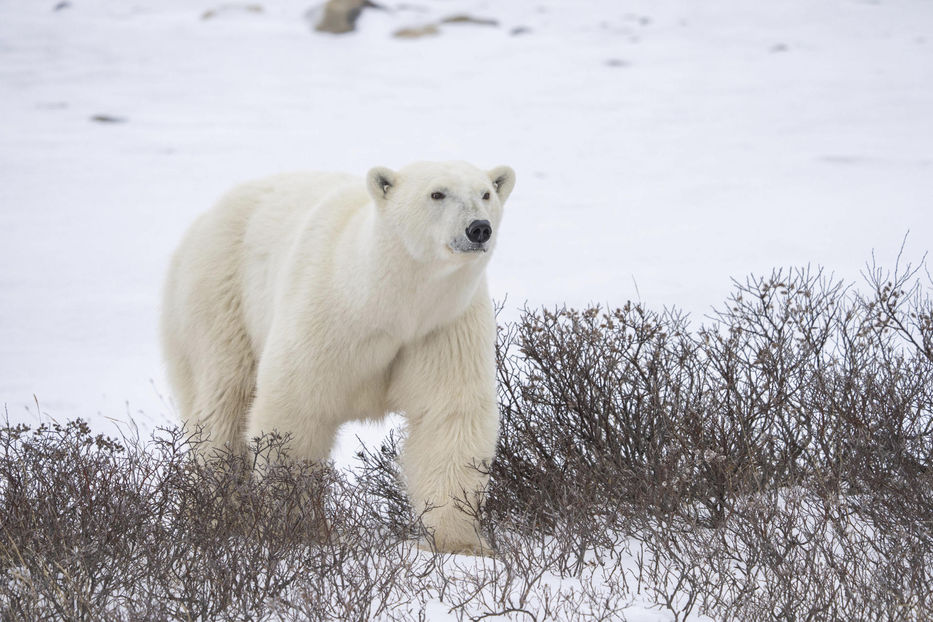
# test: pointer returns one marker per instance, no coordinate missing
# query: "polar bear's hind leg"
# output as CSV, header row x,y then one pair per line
x,y
211,364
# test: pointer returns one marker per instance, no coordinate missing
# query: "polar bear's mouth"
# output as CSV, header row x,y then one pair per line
x,y
465,246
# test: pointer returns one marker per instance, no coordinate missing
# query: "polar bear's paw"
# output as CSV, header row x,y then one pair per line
x,y
476,546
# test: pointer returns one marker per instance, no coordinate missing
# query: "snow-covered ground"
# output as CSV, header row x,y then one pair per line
x,y
661,146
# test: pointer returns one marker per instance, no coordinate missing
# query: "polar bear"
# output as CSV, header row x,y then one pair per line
x,y
305,300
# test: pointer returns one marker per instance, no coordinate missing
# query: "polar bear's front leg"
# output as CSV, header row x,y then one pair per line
x,y
445,385
291,400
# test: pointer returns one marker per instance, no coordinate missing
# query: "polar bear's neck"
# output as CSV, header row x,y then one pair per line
x,y
404,296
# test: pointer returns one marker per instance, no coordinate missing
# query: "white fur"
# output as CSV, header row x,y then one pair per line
x,y
306,300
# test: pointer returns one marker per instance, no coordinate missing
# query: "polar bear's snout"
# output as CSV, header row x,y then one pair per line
x,y
479,231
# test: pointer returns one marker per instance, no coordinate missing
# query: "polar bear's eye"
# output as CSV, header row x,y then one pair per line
x,y
437,196
486,196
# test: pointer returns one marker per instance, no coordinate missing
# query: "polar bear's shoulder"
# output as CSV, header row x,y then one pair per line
x,y
303,184
285,197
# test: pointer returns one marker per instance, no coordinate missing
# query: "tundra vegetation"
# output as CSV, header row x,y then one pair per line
x,y
775,463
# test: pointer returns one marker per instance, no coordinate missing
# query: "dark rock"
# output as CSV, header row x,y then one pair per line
x,y
232,8
416,32
463,18
108,118
339,16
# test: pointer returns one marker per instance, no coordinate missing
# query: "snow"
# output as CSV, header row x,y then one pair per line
x,y
563,597
662,148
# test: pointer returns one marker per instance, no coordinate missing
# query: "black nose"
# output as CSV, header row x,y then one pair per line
x,y
479,231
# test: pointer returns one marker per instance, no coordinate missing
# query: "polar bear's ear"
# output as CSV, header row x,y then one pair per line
x,y
503,180
380,181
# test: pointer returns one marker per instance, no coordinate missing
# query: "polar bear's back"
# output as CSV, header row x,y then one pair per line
x,y
269,213
284,208
231,257
276,207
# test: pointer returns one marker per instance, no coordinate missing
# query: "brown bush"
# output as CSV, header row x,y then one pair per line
x,y
777,461
773,464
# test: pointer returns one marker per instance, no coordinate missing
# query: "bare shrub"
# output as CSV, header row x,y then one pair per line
x,y
775,463
96,529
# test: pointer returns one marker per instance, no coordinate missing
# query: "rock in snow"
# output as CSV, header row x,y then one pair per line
x,y
339,16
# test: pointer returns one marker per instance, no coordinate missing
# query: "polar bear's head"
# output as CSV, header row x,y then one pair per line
x,y
442,211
